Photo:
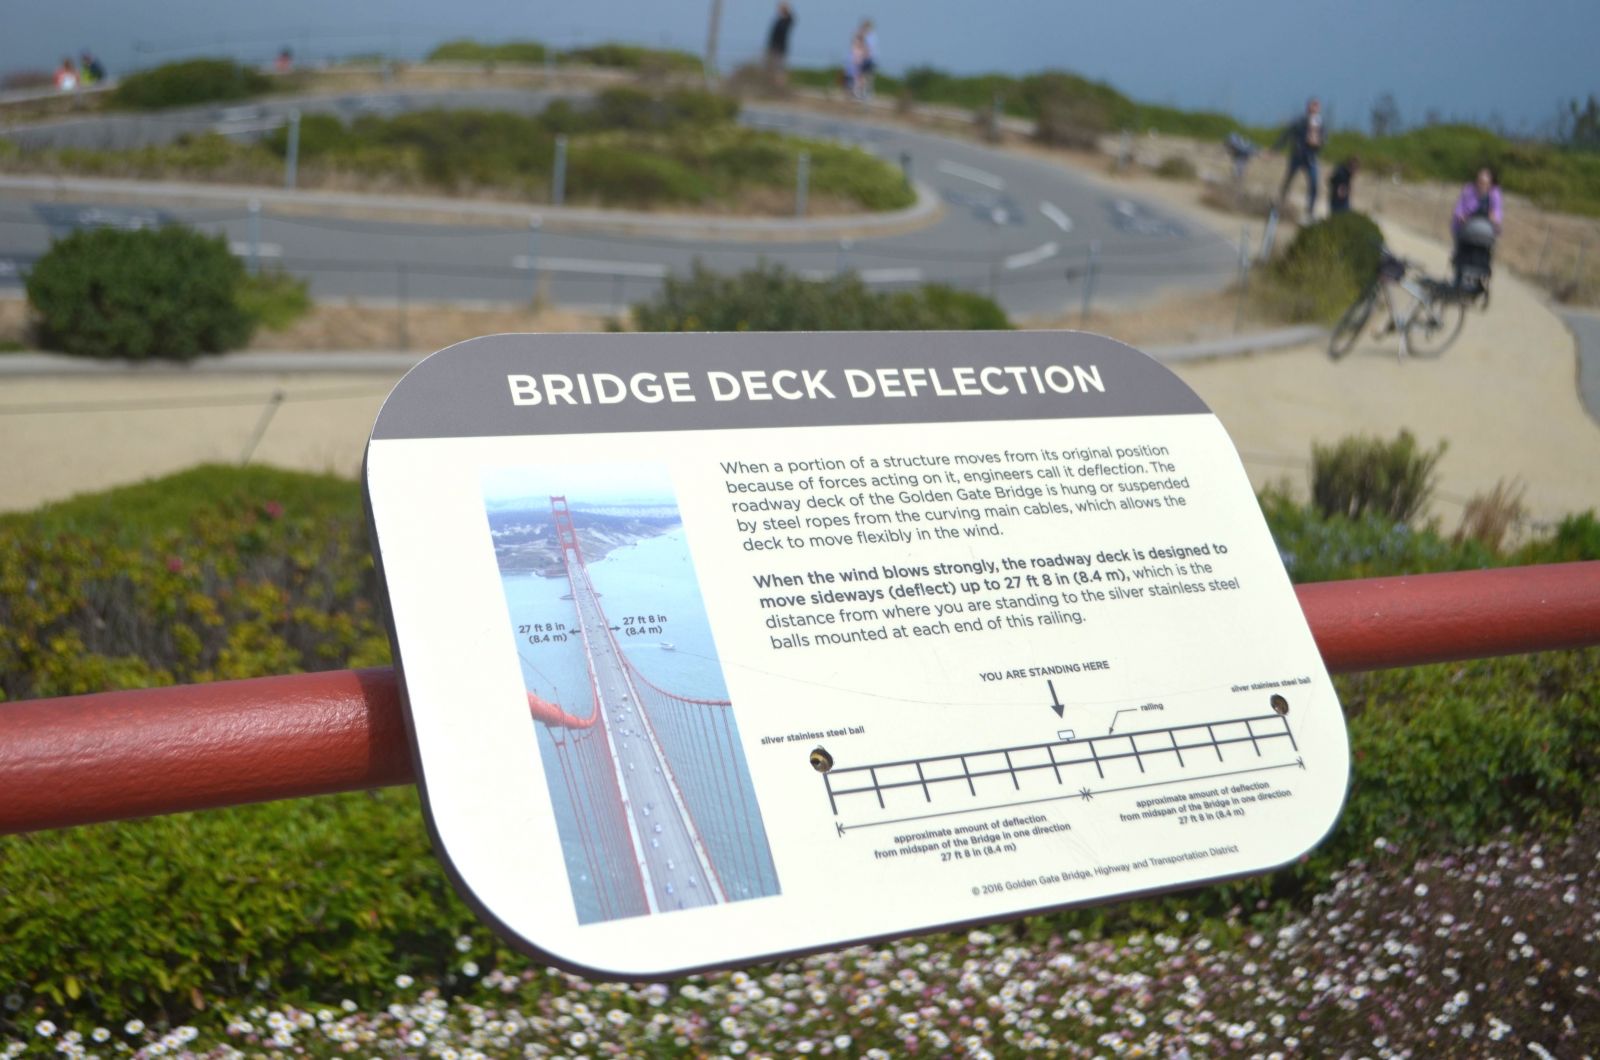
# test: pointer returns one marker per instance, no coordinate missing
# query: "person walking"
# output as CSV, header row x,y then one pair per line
x,y
778,47
1339,184
854,58
1304,136
868,35
66,76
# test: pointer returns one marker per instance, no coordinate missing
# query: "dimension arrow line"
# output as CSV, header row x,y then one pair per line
x,y
1086,795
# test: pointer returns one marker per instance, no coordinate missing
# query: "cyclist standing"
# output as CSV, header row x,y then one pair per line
x,y
1304,136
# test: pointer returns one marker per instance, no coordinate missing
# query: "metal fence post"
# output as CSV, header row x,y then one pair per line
x,y
1269,235
402,289
291,159
1088,280
255,237
273,404
1244,276
842,264
802,182
905,167
534,224
558,178
1544,249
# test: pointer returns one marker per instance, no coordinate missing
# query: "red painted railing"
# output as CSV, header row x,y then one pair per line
x,y
132,754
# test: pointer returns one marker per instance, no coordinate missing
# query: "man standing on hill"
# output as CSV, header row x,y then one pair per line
x,y
1304,137
778,47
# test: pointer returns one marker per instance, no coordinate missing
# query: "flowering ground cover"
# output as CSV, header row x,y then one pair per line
x,y
1450,913
1493,952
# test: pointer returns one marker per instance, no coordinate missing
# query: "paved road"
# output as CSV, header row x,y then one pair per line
x,y
674,864
1012,225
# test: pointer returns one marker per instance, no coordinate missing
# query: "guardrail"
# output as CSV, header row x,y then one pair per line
x,y
118,755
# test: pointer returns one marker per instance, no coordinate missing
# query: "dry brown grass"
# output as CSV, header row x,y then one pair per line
x,y
334,326
1172,320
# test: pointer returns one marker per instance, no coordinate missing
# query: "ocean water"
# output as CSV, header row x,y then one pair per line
x,y
652,578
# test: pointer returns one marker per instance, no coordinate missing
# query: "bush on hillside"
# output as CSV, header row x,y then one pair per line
x,y
1176,167
471,51
189,82
165,293
771,298
634,57
1360,475
1323,269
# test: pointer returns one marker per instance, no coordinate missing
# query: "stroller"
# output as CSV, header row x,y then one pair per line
x,y
1474,253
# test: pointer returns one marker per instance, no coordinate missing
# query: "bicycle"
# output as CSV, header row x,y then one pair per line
x,y
1432,321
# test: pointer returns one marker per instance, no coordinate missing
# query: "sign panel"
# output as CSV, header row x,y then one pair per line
x,y
722,647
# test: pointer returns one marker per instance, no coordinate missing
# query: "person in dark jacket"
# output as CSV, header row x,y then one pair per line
x,y
778,46
1339,185
1304,137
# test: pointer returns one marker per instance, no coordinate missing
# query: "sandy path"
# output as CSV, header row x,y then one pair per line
x,y
1503,397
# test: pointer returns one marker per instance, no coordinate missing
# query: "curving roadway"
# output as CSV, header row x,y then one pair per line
x,y
1018,227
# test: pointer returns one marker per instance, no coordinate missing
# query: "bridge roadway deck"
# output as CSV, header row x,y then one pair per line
x,y
676,871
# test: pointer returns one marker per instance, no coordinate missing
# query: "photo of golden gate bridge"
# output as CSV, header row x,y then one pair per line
x,y
647,778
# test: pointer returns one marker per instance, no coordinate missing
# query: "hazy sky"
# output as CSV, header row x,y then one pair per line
x,y
532,486
1256,58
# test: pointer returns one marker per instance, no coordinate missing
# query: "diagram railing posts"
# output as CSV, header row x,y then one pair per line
x,y
802,182
1090,269
273,404
254,237
291,155
558,176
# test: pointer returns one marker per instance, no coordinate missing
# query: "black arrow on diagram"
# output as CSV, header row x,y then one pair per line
x,y
1055,700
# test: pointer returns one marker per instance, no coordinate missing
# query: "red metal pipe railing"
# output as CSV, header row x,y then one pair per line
x,y
133,754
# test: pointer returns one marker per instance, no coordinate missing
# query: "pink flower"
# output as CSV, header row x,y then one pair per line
x,y
273,510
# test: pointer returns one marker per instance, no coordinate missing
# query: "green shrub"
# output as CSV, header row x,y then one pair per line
x,y
631,109
253,576
634,57
1323,269
770,298
1361,475
1176,167
189,82
274,299
166,293
471,51
1577,537
1316,547
329,897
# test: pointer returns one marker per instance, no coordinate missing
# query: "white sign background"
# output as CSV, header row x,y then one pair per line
x,y
1174,665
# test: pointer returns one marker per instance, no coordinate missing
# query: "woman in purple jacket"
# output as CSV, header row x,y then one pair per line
x,y
1475,225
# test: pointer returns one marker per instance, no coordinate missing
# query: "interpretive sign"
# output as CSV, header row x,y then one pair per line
x,y
722,647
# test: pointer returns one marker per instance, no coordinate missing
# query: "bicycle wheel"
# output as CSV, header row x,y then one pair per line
x,y
1348,329
1434,326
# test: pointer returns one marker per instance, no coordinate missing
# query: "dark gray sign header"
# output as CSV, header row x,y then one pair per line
x,y
583,384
